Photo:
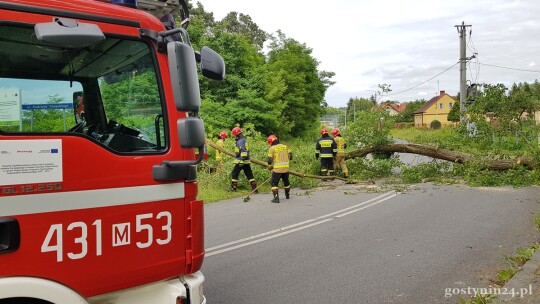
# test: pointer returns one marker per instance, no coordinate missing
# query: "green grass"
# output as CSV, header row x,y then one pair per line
x,y
514,264
216,186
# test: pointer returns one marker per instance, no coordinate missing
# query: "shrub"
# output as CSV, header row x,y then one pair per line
x,y
435,124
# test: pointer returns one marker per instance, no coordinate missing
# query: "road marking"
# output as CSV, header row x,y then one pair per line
x,y
298,226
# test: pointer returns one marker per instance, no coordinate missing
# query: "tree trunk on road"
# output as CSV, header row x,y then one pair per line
x,y
452,156
443,154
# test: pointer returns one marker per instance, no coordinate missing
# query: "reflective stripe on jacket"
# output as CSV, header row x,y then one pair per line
x,y
220,143
279,156
241,151
341,145
326,147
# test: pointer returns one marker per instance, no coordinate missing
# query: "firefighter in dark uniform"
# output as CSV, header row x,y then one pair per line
x,y
326,149
241,160
278,159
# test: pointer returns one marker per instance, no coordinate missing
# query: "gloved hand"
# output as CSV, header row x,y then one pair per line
x,y
271,168
316,156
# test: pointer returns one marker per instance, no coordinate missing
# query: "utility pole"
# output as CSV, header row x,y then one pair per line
x,y
462,30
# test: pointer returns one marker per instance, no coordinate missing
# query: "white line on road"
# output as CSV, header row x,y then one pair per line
x,y
298,226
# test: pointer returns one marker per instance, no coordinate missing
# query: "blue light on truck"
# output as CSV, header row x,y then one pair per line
x,y
129,3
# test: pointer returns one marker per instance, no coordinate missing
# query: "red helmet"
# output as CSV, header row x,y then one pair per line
x,y
223,134
324,131
335,132
271,139
235,131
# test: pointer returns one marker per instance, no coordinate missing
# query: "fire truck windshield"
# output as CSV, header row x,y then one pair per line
x,y
107,92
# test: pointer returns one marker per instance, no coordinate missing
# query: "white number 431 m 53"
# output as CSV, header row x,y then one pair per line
x,y
54,240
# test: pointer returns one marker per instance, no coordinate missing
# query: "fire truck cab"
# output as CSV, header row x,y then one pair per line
x,y
98,130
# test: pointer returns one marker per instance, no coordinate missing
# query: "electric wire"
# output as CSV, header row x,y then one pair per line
x,y
508,68
422,82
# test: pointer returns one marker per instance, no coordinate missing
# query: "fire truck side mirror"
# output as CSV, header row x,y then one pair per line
x,y
191,135
184,79
212,64
68,33
191,132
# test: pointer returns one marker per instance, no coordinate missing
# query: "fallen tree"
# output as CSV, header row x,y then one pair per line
x,y
448,155
430,151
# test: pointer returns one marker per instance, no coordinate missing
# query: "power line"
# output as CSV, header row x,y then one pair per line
x,y
515,69
422,82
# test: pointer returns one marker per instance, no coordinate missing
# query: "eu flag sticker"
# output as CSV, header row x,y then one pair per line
x,y
54,150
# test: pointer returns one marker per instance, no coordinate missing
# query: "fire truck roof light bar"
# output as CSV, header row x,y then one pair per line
x,y
128,3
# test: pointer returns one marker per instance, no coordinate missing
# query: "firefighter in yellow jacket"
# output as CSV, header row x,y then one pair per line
x,y
220,143
340,155
278,159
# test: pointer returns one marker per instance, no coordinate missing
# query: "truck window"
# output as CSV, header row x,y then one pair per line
x,y
107,92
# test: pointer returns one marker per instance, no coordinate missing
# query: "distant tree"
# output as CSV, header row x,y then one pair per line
x,y
305,90
244,25
383,89
356,105
454,114
408,114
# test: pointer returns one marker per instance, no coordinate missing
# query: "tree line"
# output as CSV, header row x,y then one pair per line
x,y
272,81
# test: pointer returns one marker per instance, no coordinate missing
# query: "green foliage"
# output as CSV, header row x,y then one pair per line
x,y
363,169
454,114
304,91
216,185
370,129
46,120
508,106
265,90
424,172
408,114
522,255
138,93
244,25
479,299
356,105
435,124
518,177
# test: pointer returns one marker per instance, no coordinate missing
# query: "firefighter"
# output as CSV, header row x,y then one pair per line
x,y
278,159
221,143
241,160
340,156
326,149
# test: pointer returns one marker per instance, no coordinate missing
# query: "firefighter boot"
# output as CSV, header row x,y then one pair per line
x,y
276,196
287,191
234,185
254,186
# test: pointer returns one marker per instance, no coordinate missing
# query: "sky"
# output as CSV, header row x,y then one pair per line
x,y
412,45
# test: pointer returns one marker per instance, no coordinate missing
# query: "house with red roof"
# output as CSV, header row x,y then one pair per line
x,y
437,108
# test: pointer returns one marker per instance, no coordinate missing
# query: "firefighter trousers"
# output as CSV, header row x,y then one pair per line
x,y
340,162
327,166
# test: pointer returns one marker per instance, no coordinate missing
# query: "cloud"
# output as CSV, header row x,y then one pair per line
x,y
403,43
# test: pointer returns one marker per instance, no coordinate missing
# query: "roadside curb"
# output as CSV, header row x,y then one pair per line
x,y
527,281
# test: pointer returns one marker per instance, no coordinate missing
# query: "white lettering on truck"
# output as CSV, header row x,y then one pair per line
x,y
54,241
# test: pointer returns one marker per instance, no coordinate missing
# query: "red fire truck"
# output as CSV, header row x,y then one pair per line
x,y
99,127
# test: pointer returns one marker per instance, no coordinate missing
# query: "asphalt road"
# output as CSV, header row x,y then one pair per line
x,y
352,244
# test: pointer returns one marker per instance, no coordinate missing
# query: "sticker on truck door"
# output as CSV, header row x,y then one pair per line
x,y
30,161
